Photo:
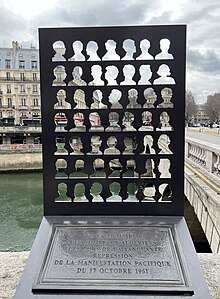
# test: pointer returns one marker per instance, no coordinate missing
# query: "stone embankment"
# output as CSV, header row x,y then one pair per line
x,y
20,161
12,264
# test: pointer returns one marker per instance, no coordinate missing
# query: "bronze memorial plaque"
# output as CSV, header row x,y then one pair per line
x,y
110,258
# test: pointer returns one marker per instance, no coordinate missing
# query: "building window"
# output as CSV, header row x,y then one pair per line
x,y
35,88
7,64
22,78
8,88
34,64
8,76
34,76
35,114
10,114
23,114
22,88
0,103
23,102
21,64
0,114
35,102
9,103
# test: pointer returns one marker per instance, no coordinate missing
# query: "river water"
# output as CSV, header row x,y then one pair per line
x,y
21,211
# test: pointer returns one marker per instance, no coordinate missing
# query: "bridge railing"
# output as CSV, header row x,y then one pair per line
x,y
202,186
206,206
204,154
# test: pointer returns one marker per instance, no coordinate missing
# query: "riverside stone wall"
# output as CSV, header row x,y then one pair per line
x,y
23,161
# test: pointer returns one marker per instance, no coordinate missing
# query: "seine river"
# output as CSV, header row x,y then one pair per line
x,y
21,211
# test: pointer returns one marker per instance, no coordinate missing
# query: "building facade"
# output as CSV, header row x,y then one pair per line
x,y
20,103
19,85
201,116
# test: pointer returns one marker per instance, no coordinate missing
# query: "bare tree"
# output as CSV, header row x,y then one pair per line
x,y
191,107
212,107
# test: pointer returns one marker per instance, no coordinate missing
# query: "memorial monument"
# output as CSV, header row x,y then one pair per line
x,y
113,224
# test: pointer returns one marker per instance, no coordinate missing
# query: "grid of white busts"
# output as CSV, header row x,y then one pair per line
x,y
113,131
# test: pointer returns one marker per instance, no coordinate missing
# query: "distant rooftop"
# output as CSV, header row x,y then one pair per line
x,y
16,45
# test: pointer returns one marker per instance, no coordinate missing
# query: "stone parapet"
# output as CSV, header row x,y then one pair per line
x,y
204,154
206,204
12,265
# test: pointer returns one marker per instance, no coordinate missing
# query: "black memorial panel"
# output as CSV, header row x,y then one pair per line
x,y
113,120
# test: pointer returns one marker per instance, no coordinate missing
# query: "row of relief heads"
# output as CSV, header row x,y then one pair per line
x,y
115,99
131,147
109,76
127,123
98,169
133,193
128,46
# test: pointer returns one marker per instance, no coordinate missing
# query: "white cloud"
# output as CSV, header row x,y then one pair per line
x,y
202,85
20,20
28,8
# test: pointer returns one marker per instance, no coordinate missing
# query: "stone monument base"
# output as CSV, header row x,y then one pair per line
x,y
113,257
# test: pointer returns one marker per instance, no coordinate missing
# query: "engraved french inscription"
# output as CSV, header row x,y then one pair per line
x,y
104,256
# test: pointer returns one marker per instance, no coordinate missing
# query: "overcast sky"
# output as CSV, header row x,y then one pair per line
x,y
20,19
